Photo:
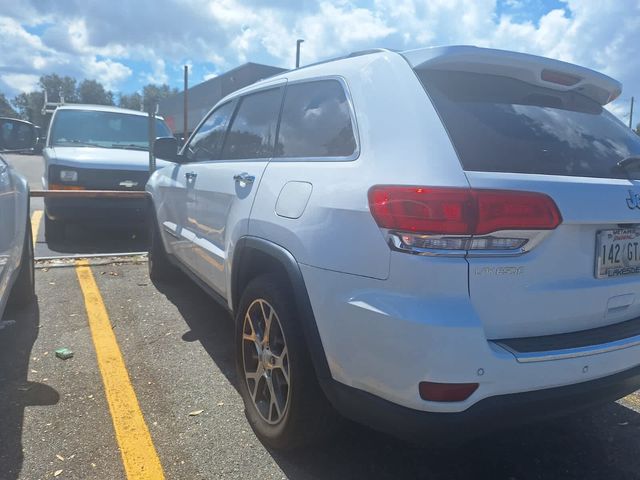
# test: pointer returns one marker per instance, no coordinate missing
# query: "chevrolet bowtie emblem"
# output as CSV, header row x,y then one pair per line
x,y
128,184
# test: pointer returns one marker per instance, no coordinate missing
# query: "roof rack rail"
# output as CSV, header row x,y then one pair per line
x,y
369,51
350,55
50,107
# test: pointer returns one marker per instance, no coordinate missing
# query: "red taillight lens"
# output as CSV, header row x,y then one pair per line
x,y
507,210
460,211
423,209
446,392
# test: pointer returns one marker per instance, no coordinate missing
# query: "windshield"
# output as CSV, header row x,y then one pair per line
x,y
499,124
90,128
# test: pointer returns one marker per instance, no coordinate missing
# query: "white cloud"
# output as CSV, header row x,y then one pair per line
x,y
159,73
21,82
106,40
108,72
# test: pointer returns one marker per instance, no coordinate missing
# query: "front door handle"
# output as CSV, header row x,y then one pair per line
x,y
244,177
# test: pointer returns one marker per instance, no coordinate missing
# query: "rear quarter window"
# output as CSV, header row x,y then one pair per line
x,y
500,124
316,121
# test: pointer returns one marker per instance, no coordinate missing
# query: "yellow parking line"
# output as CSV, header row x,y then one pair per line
x,y
36,219
138,452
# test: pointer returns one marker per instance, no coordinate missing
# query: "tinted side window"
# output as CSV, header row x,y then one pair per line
x,y
253,128
316,121
207,141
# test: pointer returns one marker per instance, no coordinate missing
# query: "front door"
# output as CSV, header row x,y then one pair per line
x,y
225,186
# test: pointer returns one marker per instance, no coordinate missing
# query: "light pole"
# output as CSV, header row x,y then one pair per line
x,y
298,42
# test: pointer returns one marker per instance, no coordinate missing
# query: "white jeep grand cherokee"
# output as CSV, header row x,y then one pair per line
x,y
438,240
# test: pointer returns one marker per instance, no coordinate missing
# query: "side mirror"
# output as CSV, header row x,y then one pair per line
x,y
17,135
166,148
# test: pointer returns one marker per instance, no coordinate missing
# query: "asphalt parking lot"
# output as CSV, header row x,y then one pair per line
x,y
151,391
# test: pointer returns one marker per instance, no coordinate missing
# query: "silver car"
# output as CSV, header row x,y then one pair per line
x,y
16,244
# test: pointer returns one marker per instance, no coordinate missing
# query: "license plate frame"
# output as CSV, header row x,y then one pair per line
x,y
628,253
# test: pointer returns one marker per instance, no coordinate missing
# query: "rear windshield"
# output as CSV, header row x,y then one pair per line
x,y
499,124
91,128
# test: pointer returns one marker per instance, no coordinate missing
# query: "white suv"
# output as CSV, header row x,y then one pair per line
x,y
438,240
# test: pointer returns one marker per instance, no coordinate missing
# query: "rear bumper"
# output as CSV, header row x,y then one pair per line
x,y
487,415
102,211
385,337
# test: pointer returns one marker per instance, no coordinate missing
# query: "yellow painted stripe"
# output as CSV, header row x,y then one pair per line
x,y
36,219
138,452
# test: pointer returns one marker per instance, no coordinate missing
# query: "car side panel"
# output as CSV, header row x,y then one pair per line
x,y
168,189
14,211
396,125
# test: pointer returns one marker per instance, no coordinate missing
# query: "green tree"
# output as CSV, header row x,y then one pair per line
x,y
152,94
6,110
91,91
29,106
133,101
55,85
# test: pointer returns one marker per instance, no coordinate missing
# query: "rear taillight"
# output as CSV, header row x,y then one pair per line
x,y
507,210
446,211
460,218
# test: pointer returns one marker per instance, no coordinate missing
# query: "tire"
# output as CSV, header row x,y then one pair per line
x,y
160,267
284,414
54,230
23,291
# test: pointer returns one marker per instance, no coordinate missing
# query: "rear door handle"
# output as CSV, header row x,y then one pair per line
x,y
191,176
244,177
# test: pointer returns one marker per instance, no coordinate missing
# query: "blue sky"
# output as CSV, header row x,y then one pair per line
x,y
126,44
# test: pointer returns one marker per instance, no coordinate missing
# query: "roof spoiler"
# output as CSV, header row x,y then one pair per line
x,y
532,69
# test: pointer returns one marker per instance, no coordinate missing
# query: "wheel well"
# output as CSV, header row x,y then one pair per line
x,y
255,256
252,264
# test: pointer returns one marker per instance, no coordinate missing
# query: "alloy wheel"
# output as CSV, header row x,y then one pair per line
x,y
266,361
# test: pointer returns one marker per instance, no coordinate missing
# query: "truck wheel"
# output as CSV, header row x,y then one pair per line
x,y
23,291
160,267
54,230
283,400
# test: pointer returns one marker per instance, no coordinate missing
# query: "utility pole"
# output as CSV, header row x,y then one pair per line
x,y
298,42
186,116
631,115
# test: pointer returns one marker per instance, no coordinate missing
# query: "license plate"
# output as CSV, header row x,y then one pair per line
x,y
618,252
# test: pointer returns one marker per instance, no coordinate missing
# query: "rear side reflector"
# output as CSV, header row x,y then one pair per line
x,y
446,392
460,211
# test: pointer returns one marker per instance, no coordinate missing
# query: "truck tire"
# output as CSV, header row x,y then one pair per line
x,y
54,230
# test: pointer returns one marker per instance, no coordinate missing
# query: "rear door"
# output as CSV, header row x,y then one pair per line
x,y
512,135
225,184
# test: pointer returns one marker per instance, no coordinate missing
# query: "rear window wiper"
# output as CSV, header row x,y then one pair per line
x,y
632,162
130,146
